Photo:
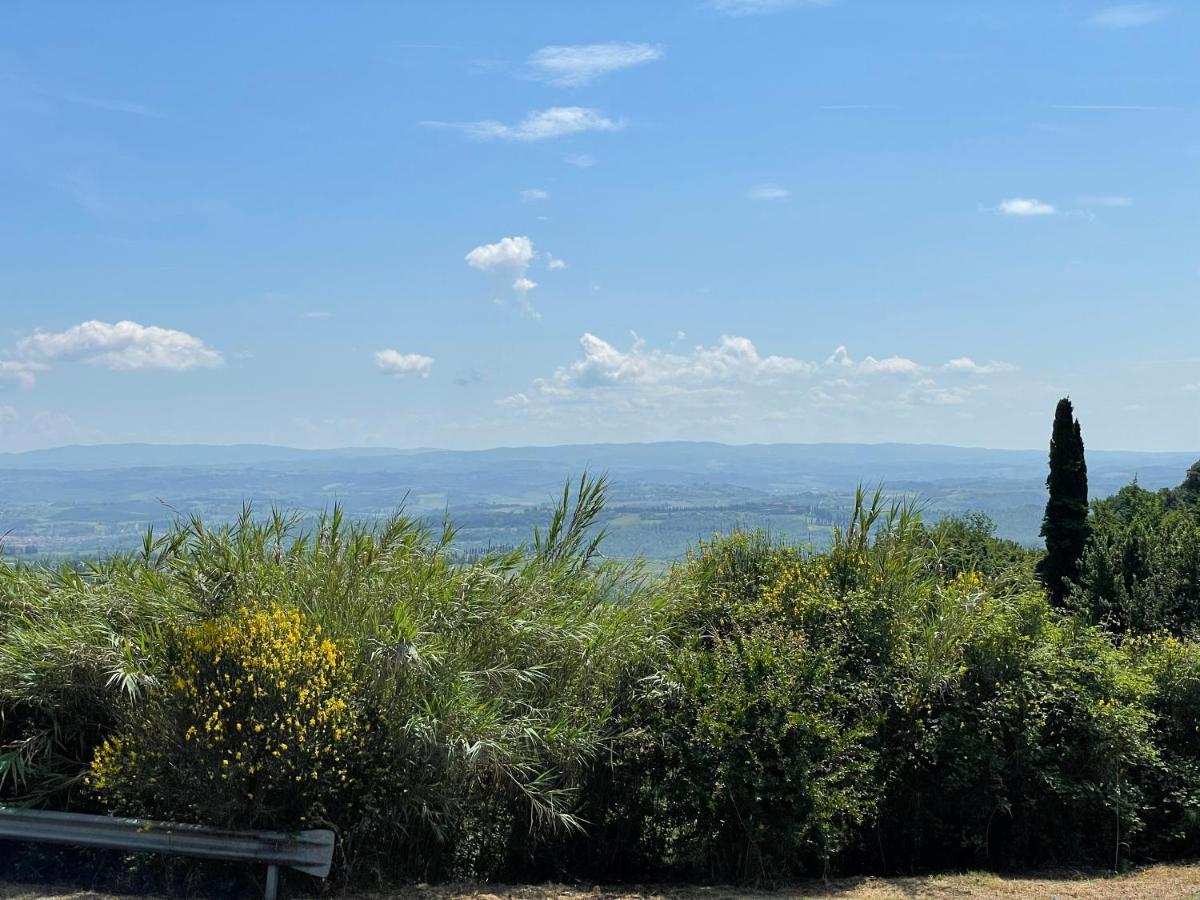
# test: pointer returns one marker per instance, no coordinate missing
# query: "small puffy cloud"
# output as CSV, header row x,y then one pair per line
x,y
1127,15
768,191
393,362
580,64
511,257
1024,206
540,125
316,314
581,160
1112,200
969,366
120,345
890,365
760,7
531,194
511,252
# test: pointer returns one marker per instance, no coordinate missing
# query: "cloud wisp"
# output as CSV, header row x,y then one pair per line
x,y
1115,201
1127,15
538,125
1024,206
580,64
768,192
17,373
1104,107
740,8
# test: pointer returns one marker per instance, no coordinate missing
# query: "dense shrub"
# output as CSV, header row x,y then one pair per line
x,y
885,706
1141,569
257,724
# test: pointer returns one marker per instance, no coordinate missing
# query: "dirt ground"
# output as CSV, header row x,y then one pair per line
x,y
1152,883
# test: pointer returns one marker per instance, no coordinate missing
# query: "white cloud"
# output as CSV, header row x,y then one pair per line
x,y
581,160
968,365
531,194
511,257
316,314
1192,387
1127,15
1106,200
516,401
768,191
540,125
15,372
510,252
393,362
579,64
123,345
731,359
1024,206
760,7
891,365
734,387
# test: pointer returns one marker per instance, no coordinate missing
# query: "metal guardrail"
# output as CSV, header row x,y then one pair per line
x,y
310,852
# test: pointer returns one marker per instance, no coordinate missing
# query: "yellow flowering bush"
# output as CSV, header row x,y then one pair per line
x,y
256,722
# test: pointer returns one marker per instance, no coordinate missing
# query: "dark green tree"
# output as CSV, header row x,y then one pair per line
x,y
1065,524
1188,493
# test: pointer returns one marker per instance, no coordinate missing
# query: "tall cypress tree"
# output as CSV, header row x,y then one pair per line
x,y
1065,524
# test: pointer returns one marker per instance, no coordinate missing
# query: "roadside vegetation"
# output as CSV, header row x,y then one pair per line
x,y
910,700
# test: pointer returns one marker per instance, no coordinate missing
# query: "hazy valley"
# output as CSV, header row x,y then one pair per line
x,y
84,501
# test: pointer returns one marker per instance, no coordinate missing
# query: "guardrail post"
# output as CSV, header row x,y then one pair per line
x,y
272,890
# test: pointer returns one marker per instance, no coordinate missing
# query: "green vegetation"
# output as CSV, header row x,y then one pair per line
x,y
908,699
1065,524
1141,570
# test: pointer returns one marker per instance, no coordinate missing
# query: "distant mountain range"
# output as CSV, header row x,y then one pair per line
x,y
84,500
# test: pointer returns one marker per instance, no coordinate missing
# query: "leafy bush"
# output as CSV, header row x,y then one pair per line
x,y
884,706
1141,569
257,723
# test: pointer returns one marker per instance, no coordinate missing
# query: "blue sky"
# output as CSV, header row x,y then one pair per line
x,y
471,224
